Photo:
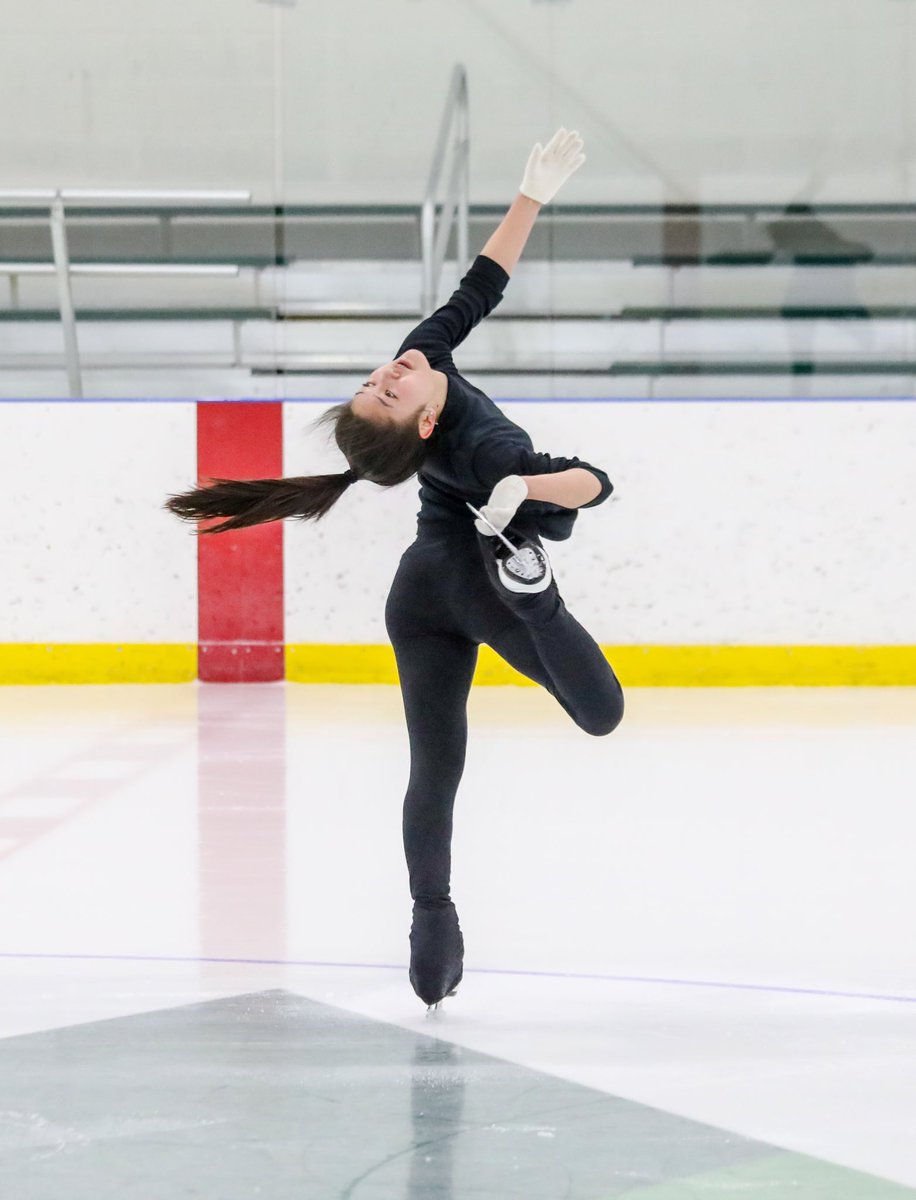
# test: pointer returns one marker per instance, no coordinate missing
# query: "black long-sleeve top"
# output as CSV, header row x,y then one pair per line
x,y
474,444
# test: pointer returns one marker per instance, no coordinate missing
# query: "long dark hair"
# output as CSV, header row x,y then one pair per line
x,y
384,454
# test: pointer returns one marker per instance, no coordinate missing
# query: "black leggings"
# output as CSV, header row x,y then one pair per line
x,y
441,607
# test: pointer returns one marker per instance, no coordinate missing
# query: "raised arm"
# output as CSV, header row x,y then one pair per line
x,y
480,291
508,240
547,170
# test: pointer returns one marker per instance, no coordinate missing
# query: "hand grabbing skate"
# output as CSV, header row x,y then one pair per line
x,y
502,505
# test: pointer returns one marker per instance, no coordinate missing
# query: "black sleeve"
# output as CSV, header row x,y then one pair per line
x,y
477,295
495,458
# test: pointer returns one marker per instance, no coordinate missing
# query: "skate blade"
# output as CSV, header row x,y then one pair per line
x,y
501,536
432,1010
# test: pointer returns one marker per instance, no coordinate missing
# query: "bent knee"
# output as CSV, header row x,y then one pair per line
x,y
606,721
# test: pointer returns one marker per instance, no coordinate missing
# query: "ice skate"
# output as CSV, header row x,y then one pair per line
x,y
520,571
436,952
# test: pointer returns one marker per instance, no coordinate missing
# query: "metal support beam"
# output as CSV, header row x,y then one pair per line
x,y
454,125
65,297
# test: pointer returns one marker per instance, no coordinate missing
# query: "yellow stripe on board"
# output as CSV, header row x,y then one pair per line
x,y
636,666
763,666
648,666
341,664
85,663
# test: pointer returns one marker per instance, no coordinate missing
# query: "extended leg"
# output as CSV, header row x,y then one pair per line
x,y
435,673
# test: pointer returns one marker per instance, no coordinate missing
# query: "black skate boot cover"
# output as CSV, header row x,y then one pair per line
x,y
436,951
522,577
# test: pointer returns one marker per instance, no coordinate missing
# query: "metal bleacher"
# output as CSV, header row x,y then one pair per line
x,y
655,300
638,292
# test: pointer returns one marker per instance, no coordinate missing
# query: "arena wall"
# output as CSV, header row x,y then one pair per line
x,y
712,101
770,531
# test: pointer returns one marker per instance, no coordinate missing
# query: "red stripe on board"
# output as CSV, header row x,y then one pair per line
x,y
240,574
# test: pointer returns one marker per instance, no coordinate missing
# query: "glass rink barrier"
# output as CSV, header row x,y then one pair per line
x,y
458,648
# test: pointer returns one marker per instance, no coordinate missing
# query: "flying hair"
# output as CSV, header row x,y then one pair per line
x,y
386,455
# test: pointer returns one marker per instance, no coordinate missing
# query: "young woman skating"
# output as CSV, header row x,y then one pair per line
x,y
466,579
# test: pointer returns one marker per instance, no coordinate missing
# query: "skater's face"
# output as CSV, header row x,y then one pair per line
x,y
401,393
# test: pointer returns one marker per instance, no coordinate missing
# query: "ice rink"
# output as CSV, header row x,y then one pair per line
x,y
690,954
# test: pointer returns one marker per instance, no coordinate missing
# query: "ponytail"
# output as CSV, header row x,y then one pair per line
x,y
253,501
384,454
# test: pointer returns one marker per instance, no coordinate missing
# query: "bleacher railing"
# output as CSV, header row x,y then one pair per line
x,y
452,150
56,200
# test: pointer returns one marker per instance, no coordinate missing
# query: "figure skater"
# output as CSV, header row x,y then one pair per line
x,y
464,580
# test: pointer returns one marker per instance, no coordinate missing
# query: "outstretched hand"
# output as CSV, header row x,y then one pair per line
x,y
550,166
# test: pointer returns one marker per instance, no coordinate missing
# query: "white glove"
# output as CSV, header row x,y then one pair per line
x,y
503,504
550,166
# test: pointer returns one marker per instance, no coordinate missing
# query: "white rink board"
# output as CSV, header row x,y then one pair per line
x,y
732,523
88,553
